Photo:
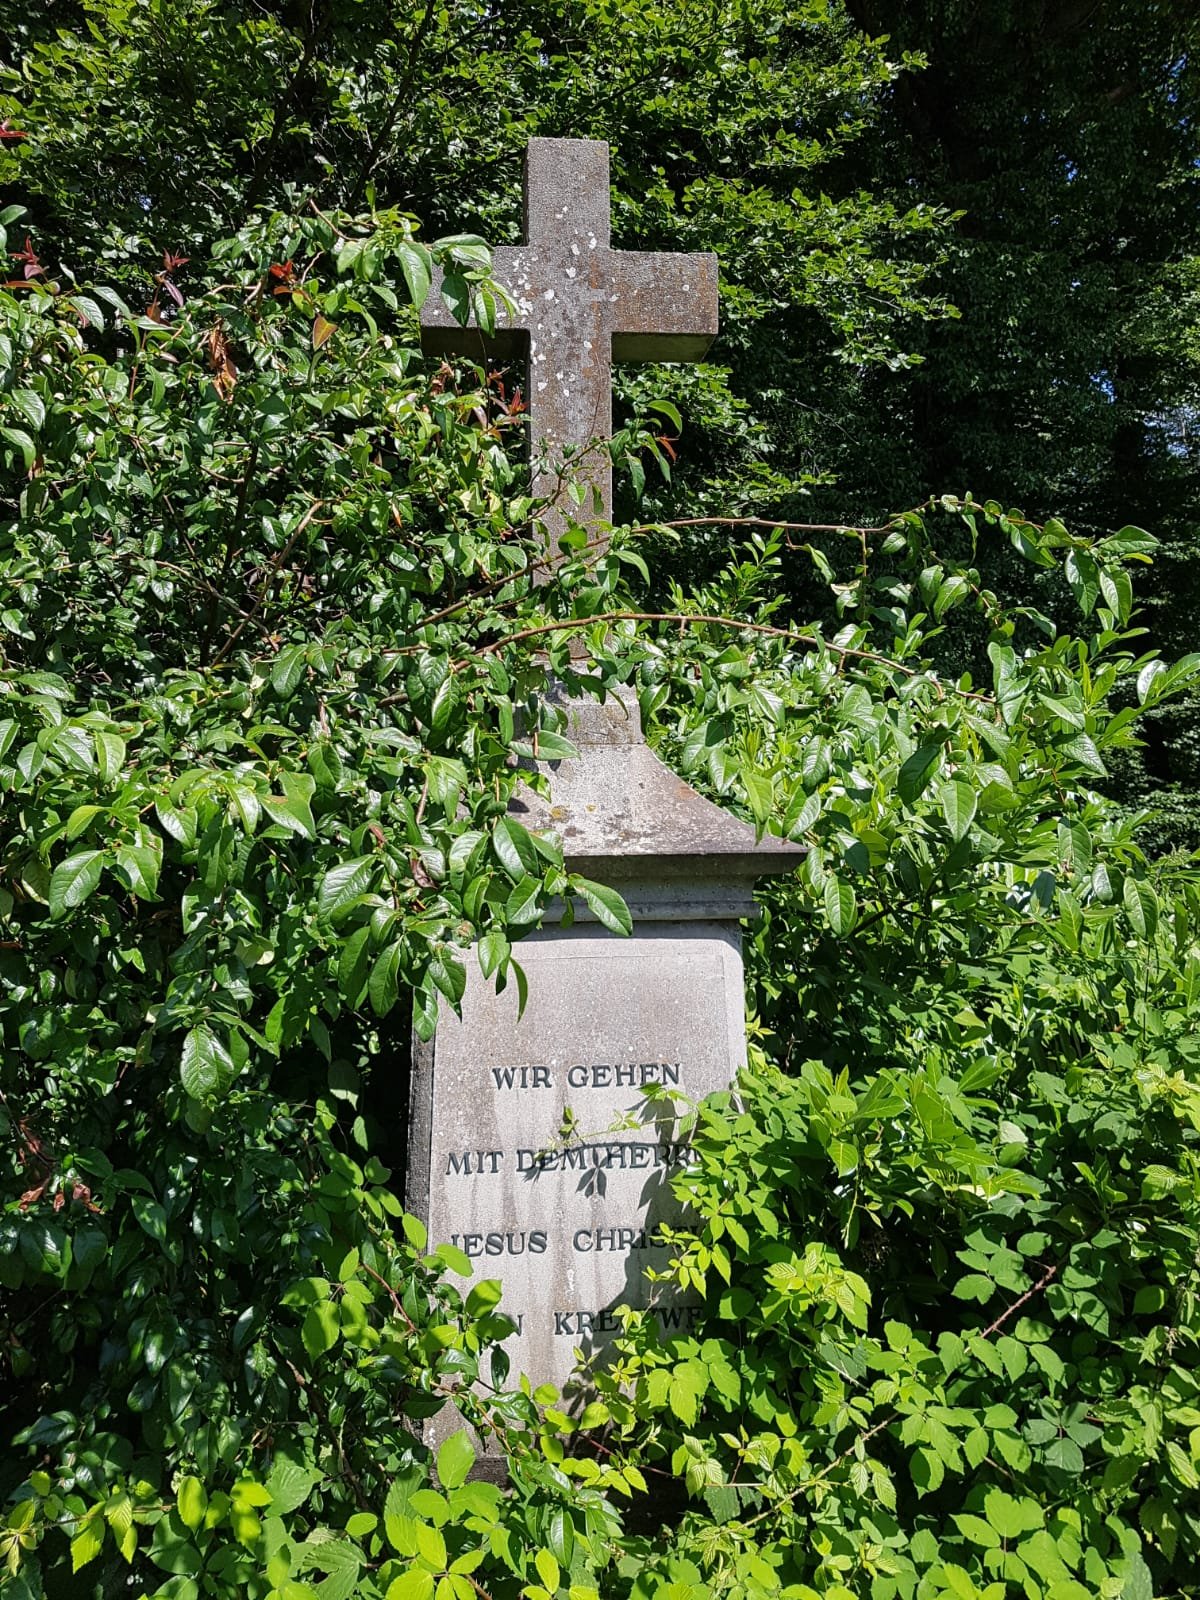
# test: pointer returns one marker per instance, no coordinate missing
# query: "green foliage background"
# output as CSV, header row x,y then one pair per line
x,y
271,637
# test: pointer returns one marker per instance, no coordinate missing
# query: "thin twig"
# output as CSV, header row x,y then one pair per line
x,y
766,522
395,1298
376,147
270,579
689,618
239,516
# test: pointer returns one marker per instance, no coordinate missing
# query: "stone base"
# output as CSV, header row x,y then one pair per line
x,y
543,1145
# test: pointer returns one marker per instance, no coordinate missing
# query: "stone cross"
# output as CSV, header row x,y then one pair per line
x,y
612,1025
580,306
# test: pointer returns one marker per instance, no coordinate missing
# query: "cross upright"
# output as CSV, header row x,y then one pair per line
x,y
580,305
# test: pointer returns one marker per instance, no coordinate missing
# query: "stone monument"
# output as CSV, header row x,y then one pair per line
x,y
569,1223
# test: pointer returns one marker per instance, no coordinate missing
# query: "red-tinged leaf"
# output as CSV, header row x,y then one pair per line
x,y
32,1196
220,357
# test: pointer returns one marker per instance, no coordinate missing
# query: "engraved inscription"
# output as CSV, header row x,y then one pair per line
x,y
514,1243
624,1240
607,1153
591,1075
576,1324
552,1159
522,1077
629,1076
465,1162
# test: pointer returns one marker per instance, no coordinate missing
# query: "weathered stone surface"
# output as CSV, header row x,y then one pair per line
x,y
625,818
568,1226
580,306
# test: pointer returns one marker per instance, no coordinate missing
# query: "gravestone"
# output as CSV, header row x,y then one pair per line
x,y
569,1223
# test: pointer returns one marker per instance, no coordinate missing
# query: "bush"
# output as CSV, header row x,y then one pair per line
x,y
272,641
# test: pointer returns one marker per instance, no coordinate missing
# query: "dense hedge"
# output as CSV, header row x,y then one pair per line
x,y
271,640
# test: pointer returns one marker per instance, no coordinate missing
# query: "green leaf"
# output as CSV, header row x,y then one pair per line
x,y
514,848
288,669
291,811
31,406
180,823
191,1501
975,1286
1011,1517
87,308
560,1534
447,778
110,755
398,1512
1083,578
206,1066
80,819
344,884
1130,541
688,1383
1066,1455
669,410
977,1531
494,950
21,440
951,593
803,812
1147,678
606,905
547,1569
841,905
916,772
456,1259
320,1329
958,801
354,960
415,1584
88,1542
1141,906
289,1485
1082,750
523,905
383,986
552,746
760,792
1117,589
455,1460
456,292
150,1216
140,866
927,1471
417,266
74,879
448,974
431,1546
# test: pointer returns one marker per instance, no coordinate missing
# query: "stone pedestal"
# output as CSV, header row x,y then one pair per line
x,y
567,1221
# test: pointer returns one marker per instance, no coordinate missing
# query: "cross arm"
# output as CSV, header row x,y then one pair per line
x,y
666,306
442,336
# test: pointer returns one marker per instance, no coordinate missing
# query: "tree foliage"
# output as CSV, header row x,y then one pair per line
x,y
276,620
1065,135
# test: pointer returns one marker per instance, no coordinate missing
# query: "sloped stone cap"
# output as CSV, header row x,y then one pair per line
x,y
625,818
